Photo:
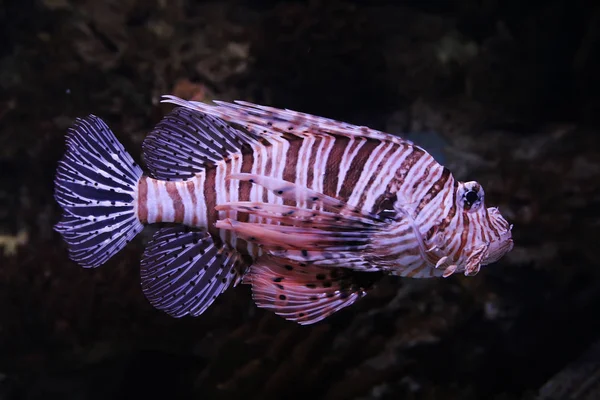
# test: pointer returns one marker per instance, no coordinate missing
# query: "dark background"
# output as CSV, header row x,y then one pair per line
x,y
510,89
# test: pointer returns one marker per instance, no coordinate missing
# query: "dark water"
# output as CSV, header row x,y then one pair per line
x,y
510,90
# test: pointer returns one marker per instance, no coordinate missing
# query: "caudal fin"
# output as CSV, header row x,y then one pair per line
x,y
96,185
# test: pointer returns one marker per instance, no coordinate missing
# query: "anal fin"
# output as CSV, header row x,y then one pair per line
x,y
183,271
300,293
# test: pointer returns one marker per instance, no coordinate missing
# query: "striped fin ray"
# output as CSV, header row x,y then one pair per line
x,y
183,271
186,141
267,120
291,191
298,215
304,294
335,235
354,259
96,186
326,244
300,238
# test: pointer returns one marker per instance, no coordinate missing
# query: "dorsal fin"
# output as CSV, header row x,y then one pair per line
x,y
264,120
186,141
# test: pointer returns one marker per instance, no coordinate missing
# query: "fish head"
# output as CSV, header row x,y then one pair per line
x,y
489,235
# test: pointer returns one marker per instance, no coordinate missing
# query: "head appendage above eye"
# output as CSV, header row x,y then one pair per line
x,y
470,196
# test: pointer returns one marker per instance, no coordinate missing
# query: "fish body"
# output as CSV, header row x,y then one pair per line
x,y
307,210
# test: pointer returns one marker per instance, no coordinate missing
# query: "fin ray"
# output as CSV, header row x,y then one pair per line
x,y
295,215
304,294
96,186
186,141
335,234
183,271
265,120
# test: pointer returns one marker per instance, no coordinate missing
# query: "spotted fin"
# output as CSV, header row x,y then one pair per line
x,y
183,271
186,141
305,294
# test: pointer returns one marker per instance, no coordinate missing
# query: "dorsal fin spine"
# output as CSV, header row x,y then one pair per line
x,y
264,120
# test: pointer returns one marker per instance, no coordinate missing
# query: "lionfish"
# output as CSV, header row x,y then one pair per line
x,y
309,211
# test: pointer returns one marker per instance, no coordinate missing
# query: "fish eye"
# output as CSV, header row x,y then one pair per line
x,y
471,197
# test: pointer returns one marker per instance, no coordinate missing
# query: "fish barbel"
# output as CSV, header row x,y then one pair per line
x,y
307,210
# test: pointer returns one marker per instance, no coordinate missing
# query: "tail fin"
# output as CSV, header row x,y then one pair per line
x,y
96,185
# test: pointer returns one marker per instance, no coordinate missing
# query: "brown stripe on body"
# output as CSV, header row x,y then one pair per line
x,y
448,218
289,173
190,186
452,211
142,200
159,206
228,169
434,190
389,196
269,167
464,236
378,171
332,169
407,165
178,206
257,161
356,168
424,175
245,186
309,144
310,173
210,197
244,194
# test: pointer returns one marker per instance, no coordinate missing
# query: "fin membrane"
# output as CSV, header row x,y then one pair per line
x,y
185,141
304,294
264,120
96,184
183,271
320,229
291,191
297,237
350,248
298,216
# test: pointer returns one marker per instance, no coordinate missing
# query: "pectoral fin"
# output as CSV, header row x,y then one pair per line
x,y
305,294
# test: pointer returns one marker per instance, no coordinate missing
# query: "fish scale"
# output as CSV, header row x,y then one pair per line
x,y
278,198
